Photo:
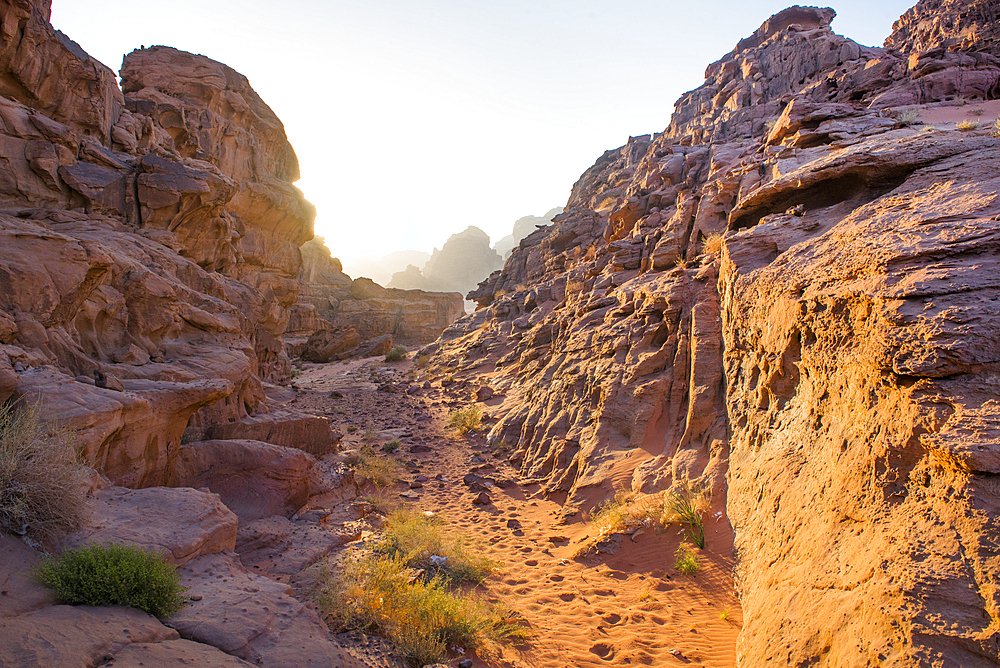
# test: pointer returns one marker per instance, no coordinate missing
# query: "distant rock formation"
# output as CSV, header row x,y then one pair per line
x,y
788,297
337,317
522,228
464,260
381,269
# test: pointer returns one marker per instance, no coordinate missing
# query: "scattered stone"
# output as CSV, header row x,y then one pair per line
x,y
513,524
482,499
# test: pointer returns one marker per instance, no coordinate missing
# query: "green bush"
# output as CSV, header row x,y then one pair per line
x,y
42,486
114,575
682,507
397,353
391,446
685,560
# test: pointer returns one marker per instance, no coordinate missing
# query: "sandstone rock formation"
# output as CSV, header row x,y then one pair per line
x,y
787,298
523,227
461,263
148,235
336,316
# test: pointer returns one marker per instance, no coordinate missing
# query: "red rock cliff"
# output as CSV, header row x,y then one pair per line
x,y
786,297
150,237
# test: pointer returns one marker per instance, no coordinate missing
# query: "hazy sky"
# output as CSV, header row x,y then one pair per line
x,y
413,119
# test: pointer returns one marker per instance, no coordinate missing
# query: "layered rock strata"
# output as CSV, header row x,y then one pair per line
x,y
148,243
787,298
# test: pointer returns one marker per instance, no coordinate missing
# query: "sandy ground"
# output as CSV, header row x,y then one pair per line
x,y
625,608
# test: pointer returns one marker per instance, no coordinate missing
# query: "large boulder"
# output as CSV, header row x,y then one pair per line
x,y
252,478
180,524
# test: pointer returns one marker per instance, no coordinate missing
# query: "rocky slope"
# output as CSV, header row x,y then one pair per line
x,y
785,298
524,226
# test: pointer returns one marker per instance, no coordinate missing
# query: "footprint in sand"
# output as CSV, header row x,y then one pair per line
x,y
604,650
612,619
531,562
658,620
556,578
567,597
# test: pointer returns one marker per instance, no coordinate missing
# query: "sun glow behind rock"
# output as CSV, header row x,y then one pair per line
x,y
413,120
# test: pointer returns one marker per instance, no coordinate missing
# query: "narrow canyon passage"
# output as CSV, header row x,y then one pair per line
x,y
626,605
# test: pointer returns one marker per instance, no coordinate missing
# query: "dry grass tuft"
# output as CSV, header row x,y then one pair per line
x,y
712,244
396,354
42,485
381,471
466,419
628,511
416,538
967,126
399,591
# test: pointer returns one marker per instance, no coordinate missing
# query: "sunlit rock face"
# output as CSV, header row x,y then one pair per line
x,y
148,240
786,297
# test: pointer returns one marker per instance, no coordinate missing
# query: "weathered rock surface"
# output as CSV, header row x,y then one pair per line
x,y
955,25
19,591
253,618
175,653
787,298
287,428
149,236
253,479
75,636
523,227
180,523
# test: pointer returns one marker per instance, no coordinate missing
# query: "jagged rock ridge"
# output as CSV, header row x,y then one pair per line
x,y
785,297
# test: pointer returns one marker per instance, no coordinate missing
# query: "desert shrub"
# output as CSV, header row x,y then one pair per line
x,y
421,616
996,128
682,263
625,510
967,126
381,471
114,575
396,354
296,373
712,244
423,361
397,589
683,507
415,538
391,446
42,485
685,560
908,117
466,419
351,428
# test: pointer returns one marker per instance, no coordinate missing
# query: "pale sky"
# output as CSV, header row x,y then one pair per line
x,y
413,119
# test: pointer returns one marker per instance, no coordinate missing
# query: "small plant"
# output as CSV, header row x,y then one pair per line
x,y
967,126
351,428
114,575
422,543
391,446
296,373
977,112
422,616
423,361
396,354
466,419
42,486
724,615
685,560
370,435
682,507
381,471
996,128
908,117
712,244
682,263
